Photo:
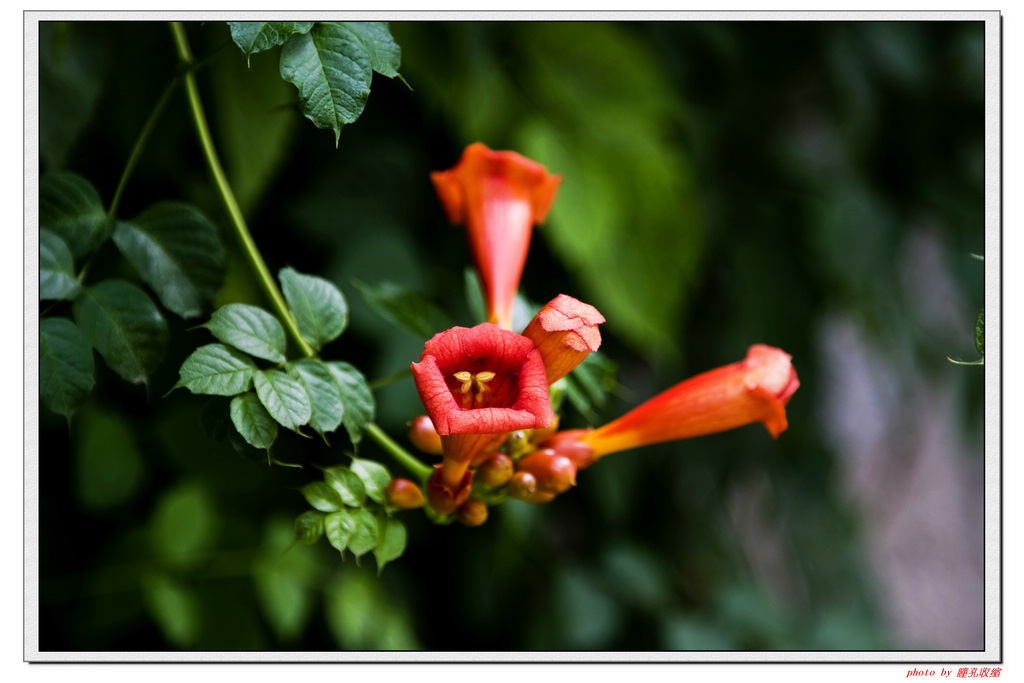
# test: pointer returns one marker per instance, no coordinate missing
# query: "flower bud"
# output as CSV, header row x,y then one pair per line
x,y
496,470
539,497
423,435
522,485
565,332
555,473
570,444
472,513
404,495
443,498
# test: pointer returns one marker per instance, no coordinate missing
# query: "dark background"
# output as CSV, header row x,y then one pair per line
x,y
816,186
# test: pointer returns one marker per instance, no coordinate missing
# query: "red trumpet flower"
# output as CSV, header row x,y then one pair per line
x,y
755,389
478,384
498,196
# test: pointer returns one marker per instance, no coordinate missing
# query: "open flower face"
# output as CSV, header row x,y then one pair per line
x,y
756,389
478,384
498,196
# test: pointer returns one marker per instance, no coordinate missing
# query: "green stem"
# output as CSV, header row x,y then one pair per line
x,y
140,144
407,460
263,274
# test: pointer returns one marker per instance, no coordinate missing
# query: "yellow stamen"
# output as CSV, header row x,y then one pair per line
x,y
479,380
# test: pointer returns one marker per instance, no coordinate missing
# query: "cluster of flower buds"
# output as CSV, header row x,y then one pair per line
x,y
486,388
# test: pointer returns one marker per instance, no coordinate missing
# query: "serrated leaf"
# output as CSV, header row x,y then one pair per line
x,y
332,69
217,370
178,253
250,329
253,421
384,53
309,527
319,307
355,396
284,398
70,207
66,372
323,498
347,484
364,534
375,477
255,36
324,392
124,325
391,541
56,268
405,308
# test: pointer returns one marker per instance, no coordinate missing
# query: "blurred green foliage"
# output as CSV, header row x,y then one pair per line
x,y
725,184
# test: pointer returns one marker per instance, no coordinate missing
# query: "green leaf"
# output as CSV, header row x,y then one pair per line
x,y
216,369
70,207
474,295
405,308
255,36
323,498
66,372
392,538
250,329
108,465
125,326
338,527
384,53
332,68
178,253
284,398
309,527
347,484
324,393
253,421
184,526
375,477
356,397
319,307
174,608
979,333
364,534
56,268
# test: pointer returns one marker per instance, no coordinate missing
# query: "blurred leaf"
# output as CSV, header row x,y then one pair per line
x,y
107,463
66,372
474,295
319,307
347,484
375,477
324,393
357,398
216,369
250,329
251,102
125,326
255,36
284,581
177,252
174,608
56,268
588,617
183,525
70,207
332,68
392,539
637,576
309,526
407,309
361,615
322,497
74,63
682,632
253,421
285,399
